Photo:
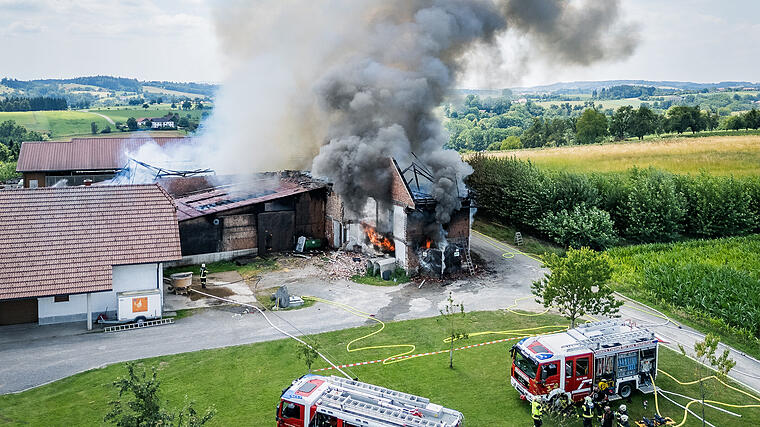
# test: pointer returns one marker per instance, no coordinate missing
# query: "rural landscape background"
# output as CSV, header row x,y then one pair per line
x,y
661,177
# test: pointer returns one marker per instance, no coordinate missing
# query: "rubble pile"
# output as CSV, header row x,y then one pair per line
x,y
343,265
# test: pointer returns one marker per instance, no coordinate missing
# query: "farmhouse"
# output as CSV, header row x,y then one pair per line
x,y
47,163
66,252
166,122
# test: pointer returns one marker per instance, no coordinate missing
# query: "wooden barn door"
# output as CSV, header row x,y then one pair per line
x,y
275,231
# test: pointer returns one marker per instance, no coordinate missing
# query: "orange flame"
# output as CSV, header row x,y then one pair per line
x,y
378,239
428,244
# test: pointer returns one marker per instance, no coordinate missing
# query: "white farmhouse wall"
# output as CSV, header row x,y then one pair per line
x,y
135,277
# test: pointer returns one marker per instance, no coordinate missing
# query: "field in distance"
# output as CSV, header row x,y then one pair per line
x,y
121,114
720,155
57,124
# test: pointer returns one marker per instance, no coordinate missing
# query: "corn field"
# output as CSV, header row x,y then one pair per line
x,y
713,280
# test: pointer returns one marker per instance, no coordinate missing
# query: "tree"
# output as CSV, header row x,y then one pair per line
x,y
309,354
705,351
752,119
107,129
577,284
173,106
621,122
450,317
94,128
511,143
145,106
591,126
644,122
145,406
132,123
186,105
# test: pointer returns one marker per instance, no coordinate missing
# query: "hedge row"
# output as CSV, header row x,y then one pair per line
x,y
600,211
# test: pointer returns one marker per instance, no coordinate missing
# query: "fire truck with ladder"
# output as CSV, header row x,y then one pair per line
x,y
317,401
617,356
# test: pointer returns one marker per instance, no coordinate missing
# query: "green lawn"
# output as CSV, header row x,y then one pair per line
x,y
531,245
244,382
56,123
735,154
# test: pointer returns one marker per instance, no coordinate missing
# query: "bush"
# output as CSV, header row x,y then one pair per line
x,y
511,143
653,209
583,226
718,207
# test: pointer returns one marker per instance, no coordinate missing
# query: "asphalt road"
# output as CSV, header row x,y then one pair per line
x,y
33,355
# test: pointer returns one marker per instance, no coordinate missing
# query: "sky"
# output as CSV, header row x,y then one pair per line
x,y
687,40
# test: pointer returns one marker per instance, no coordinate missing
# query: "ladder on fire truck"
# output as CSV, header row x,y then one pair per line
x,y
609,333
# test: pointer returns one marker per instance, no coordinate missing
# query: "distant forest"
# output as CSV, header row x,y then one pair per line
x,y
39,103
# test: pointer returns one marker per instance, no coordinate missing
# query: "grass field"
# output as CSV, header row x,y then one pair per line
x,y
531,245
153,89
711,283
56,123
121,114
244,383
606,103
719,155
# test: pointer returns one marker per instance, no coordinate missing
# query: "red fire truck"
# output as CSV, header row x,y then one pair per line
x,y
617,356
316,401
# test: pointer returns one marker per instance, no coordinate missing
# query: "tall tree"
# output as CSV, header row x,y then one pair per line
x,y
132,123
591,126
621,123
644,122
577,284
94,128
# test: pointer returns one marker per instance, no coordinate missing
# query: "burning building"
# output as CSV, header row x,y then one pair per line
x,y
406,228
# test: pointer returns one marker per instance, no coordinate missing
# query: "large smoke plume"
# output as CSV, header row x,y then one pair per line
x,y
359,81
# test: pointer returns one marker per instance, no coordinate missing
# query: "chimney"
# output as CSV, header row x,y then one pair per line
x,y
87,182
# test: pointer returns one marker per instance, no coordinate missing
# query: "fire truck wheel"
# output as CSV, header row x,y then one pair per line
x,y
140,319
626,389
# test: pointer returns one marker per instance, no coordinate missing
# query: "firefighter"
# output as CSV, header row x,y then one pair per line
x,y
536,411
623,410
623,422
588,412
204,272
600,398
608,418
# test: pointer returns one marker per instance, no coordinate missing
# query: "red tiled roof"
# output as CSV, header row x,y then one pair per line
x,y
56,241
83,154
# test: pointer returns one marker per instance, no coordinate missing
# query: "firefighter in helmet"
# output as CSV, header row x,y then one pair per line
x,y
623,421
608,418
588,411
536,411
204,272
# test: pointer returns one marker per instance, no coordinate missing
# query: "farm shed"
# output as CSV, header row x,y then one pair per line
x,y
65,252
45,163
235,216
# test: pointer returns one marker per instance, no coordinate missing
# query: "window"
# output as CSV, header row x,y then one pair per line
x,y
291,410
61,298
569,369
550,369
526,365
33,183
581,367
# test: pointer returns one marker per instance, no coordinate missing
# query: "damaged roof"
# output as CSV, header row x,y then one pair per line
x,y
59,241
266,187
84,154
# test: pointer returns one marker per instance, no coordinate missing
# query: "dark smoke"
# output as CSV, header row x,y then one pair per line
x,y
381,100
364,77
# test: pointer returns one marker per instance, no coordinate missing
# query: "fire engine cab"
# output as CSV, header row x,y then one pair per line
x,y
316,401
617,356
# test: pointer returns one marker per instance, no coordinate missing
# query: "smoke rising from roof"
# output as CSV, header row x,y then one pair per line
x,y
349,83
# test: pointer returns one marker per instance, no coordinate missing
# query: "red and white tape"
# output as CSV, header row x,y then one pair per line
x,y
410,356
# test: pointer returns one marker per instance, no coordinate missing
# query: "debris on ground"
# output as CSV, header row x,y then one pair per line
x,y
343,265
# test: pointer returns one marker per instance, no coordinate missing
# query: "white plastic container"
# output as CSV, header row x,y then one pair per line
x,y
139,305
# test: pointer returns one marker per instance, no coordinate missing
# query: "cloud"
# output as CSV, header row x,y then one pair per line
x,y
21,28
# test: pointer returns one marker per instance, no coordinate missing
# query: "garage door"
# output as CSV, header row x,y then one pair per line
x,y
18,311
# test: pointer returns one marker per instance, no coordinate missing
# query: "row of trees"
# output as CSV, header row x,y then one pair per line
x,y
600,211
37,103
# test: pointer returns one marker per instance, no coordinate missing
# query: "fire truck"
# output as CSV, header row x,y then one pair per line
x,y
317,401
617,356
